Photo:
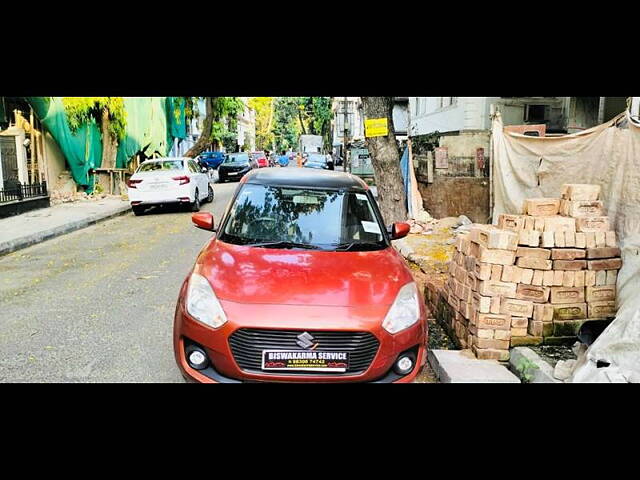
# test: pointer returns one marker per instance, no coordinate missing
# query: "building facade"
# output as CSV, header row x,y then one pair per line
x,y
561,115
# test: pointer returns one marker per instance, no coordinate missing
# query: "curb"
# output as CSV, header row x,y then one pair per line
x,y
542,374
24,242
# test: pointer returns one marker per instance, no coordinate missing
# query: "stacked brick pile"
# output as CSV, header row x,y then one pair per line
x,y
536,277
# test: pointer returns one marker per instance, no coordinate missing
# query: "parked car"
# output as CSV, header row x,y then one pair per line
x,y
260,158
212,159
318,160
235,166
169,180
262,302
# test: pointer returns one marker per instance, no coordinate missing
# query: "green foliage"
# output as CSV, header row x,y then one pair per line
x,y
83,110
525,368
425,143
263,107
286,127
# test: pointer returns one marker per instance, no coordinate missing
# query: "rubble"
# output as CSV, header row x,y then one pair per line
x,y
563,369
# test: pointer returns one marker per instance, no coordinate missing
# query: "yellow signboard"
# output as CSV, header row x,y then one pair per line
x,y
376,127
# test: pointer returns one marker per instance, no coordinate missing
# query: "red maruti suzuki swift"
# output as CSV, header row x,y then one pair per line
x,y
300,284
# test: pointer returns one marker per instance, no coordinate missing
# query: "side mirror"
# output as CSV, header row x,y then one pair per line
x,y
203,220
399,230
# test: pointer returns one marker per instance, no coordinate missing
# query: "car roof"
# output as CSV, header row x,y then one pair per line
x,y
164,159
305,177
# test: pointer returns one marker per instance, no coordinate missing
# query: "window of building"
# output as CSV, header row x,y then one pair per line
x,y
447,101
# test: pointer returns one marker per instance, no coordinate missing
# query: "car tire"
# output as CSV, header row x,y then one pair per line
x,y
137,210
210,195
195,206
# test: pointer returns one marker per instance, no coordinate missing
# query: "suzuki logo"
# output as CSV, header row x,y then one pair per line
x,y
305,340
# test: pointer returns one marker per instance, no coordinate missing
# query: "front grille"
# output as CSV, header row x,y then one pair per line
x,y
247,345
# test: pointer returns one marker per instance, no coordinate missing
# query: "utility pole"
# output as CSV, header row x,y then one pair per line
x,y
347,163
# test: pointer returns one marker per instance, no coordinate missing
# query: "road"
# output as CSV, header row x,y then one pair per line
x,y
97,305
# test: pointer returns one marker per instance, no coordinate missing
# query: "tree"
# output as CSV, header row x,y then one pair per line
x,y
220,123
315,117
108,113
263,107
385,158
286,126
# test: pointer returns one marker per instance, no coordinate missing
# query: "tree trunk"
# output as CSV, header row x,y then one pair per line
x,y
205,135
109,144
385,158
304,132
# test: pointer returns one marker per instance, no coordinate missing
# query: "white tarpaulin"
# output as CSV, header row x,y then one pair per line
x,y
607,155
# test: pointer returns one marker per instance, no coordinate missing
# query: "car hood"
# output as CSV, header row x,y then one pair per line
x,y
302,277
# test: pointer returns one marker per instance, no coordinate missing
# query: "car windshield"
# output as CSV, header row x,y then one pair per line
x,y
257,155
316,158
237,159
292,217
161,165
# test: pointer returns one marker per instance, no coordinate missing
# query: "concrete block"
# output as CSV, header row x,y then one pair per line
x,y
455,366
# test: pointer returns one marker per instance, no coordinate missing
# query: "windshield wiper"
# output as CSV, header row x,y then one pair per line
x,y
283,244
349,246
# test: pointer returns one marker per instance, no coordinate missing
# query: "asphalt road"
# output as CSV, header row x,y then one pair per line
x,y
97,305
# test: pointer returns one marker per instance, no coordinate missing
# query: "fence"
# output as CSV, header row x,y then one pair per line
x,y
23,191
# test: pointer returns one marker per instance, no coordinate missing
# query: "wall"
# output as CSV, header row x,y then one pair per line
x,y
430,117
463,187
454,196
56,162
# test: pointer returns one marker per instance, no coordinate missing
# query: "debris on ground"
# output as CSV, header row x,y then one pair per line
x,y
563,369
552,354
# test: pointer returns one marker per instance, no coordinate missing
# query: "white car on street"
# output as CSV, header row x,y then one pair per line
x,y
169,180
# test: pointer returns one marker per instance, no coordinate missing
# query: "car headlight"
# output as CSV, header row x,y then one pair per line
x,y
405,310
202,303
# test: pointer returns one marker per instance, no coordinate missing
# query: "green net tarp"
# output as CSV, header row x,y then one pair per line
x,y
152,125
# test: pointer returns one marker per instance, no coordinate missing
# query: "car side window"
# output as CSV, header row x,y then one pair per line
x,y
193,167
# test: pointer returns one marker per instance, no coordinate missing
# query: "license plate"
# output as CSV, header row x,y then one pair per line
x,y
157,186
305,360
232,173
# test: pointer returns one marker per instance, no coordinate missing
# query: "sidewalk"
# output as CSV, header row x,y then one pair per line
x,y
33,227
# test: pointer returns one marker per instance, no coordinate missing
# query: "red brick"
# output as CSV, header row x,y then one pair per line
x,y
493,321
592,224
569,264
606,264
542,206
540,253
569,311
533,293
535,263
567,295
599,294
567,253
605,309
603,252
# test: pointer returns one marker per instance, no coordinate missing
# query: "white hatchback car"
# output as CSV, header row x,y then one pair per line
x,y
169,180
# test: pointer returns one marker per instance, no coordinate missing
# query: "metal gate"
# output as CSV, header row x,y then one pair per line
x,y
9,158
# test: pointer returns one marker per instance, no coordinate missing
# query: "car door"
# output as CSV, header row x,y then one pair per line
x,y
200,179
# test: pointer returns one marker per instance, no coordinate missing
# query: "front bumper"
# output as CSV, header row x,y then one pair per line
x,y
224,369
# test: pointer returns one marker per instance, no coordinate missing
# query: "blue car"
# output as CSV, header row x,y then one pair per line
x,y
212,159
318,160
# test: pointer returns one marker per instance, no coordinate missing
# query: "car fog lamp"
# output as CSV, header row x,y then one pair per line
x,y
197,359
404,365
